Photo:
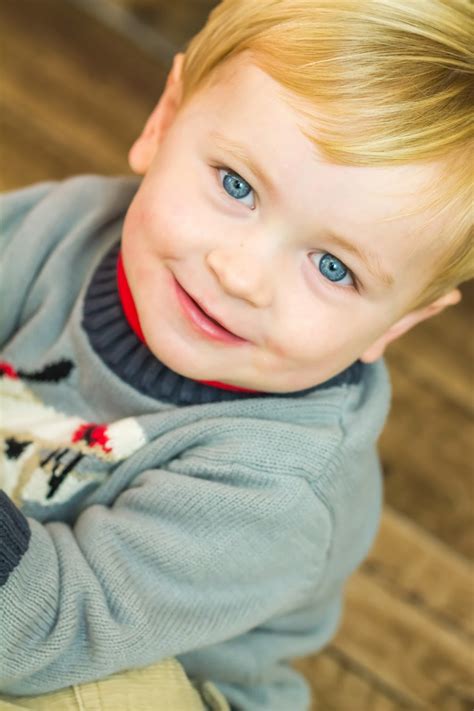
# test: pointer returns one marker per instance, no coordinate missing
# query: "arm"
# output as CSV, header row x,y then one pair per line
x,y
177,563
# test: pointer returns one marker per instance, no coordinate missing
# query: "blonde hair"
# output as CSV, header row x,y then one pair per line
x,y
387,82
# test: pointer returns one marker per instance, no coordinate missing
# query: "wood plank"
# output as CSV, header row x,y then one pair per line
x,y
427,447
427,453
420,570
338,683
19,142
440,352
409,652
73,138
176,21
85,95
410,607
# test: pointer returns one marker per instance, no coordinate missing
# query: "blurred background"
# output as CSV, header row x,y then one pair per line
x,y
78,80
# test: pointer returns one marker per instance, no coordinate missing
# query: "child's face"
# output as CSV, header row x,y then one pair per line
x,y
253,255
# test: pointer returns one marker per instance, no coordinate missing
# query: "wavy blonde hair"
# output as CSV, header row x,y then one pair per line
x,y
387,81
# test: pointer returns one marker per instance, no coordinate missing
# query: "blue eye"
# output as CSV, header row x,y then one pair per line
x,y
235,186
333,269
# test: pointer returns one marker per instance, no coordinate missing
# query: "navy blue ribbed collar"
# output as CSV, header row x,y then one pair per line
x,y
112,338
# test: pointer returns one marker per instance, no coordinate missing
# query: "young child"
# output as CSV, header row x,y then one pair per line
x,y
192,373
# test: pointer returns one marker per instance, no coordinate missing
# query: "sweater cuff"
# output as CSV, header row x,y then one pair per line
x,y
15,535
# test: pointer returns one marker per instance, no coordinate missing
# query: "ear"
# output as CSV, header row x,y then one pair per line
x,y
143,150
410,319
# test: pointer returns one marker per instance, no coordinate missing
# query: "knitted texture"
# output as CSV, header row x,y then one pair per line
x,y
150,516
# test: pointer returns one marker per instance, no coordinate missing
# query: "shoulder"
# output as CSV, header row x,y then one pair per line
x,y
36,219
310,426
52,206
296,434
52,233
95,189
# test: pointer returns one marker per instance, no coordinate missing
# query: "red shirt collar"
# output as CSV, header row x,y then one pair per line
x,y
131,315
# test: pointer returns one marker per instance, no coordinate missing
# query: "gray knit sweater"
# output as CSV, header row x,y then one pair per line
x,y
145,515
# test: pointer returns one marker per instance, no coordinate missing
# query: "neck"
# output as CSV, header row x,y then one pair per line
x,y
131,315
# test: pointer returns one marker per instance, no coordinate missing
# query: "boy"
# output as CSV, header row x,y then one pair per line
x,y
192,377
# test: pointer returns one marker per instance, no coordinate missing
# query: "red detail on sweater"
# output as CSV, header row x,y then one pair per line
x,y
225,386
131,315
126,298
94,435
8,370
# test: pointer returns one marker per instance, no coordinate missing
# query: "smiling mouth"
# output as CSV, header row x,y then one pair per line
x,y
213,320
204,322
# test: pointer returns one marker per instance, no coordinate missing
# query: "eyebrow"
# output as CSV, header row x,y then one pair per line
x,y
370,261
241,153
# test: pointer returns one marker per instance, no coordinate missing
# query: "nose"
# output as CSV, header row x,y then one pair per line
x,y
242,273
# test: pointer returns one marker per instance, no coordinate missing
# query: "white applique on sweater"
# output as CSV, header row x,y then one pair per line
x,y
43,447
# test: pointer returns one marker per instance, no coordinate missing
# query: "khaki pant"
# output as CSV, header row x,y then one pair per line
x,y
161,687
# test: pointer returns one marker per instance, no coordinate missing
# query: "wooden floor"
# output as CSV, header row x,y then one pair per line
x,y
75,91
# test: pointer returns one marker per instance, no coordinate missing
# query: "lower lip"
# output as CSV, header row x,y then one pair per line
x,y
201,322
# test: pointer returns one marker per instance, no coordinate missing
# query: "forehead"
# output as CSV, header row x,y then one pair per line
x,y
254,112
249,107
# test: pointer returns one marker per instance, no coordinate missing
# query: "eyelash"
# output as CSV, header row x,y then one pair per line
x,y
229,171
344,288
355,286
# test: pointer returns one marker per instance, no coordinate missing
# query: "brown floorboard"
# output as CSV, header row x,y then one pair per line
x,y
177,21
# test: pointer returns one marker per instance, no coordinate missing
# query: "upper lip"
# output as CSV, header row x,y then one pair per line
x,y
210,314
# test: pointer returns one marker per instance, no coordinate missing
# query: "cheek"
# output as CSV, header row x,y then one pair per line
x,y
133,218
132,245
171,220
320,337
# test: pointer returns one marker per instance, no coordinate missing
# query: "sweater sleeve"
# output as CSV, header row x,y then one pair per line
x,y
16,258
177,563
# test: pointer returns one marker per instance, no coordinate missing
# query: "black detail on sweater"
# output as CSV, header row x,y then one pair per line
x,y
52,373
15,536
112,338
14,448
59,468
